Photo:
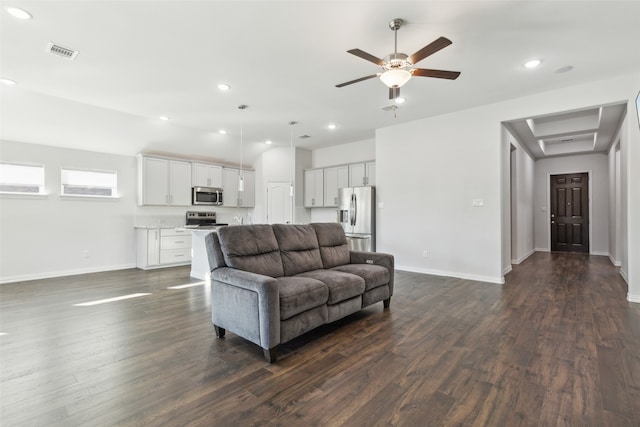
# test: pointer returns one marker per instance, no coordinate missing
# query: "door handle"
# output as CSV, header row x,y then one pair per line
x,y
553,222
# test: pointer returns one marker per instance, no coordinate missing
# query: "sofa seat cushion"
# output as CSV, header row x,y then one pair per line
x,y
373,275
298,248
342,286
299,294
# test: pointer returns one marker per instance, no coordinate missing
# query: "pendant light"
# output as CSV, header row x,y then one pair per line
x,y
241,174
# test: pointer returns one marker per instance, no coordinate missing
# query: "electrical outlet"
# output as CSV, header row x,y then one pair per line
x,y
424,253
85,254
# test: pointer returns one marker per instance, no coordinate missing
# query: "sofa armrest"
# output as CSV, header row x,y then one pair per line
x,y
247,304
376,258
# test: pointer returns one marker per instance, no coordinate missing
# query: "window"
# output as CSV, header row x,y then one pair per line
x,y
21,179
88,183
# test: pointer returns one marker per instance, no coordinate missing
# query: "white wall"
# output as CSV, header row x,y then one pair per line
x,y
615,197
455,158
521,202
630,167
44,237
598,168
354,152
359,151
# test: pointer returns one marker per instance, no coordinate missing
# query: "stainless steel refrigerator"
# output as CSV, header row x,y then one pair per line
x,y
357,215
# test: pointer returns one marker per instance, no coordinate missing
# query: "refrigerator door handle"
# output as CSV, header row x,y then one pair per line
x,y
351,211
355,209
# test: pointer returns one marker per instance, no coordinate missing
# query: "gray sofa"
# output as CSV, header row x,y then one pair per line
x,y
272,283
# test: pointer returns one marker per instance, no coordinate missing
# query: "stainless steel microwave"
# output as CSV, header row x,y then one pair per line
x,y
206,196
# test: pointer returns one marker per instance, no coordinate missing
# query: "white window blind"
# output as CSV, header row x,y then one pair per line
x,y
21,178
88,183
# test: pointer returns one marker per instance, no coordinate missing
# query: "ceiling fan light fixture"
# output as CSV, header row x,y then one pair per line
x,y
395,78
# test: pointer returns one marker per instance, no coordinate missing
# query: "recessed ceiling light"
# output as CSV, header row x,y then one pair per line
x,y
532,63
164,118
268,142
332,126
222,132
400,100
223,87
7,82
19,13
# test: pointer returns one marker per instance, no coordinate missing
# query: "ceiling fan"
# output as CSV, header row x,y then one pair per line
x,y
397,68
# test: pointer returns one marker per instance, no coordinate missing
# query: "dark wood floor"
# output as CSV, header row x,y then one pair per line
x,y
557,345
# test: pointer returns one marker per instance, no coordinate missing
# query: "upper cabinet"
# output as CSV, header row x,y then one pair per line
x,y
231,197
313,188
163,182
334,178
205,175
362,174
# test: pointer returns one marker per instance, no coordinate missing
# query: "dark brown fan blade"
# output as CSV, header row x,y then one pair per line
x,y
430,49
364,55
357,80
439,74
394,92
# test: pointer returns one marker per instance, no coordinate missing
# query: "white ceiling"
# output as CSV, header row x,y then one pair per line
x,y
142,59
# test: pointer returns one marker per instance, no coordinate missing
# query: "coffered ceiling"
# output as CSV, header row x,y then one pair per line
x,y
577,132
139,60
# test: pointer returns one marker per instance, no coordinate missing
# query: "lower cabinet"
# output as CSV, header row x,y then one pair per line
x,y
160,247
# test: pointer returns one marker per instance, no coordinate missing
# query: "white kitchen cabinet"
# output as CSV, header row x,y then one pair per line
x,y
205,175
334,178
163,182
362,174
162,247
229,187
313,188
147,247
175,246
231,197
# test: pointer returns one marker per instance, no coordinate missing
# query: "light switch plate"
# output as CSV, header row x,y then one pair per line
x,y
477,203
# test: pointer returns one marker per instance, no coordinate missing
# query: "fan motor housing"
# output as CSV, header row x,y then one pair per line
x,y
395,61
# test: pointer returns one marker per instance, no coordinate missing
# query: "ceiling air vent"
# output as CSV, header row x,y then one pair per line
x,y
62,51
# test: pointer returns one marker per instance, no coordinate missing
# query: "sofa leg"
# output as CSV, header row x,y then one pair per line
x,y
271,354
386,303
219,331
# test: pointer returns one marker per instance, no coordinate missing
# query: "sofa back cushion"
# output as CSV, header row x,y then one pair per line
x,y
298,248
251,248
334,249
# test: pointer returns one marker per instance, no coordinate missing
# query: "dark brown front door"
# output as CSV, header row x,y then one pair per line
x,y
570,212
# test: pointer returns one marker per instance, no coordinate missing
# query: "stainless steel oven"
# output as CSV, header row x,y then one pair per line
x,y
206,196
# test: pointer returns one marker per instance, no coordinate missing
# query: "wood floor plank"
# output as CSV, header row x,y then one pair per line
x,y
557,344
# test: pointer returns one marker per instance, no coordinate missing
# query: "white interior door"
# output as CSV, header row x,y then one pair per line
x,y
278,203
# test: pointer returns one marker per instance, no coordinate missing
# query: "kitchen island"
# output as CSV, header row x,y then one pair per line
x,y
200,268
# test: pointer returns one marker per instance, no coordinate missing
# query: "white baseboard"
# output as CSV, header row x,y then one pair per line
x,y
507,270
614,262
51,274
489,279
542,250
523,257
600,254
624,276
633,298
